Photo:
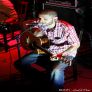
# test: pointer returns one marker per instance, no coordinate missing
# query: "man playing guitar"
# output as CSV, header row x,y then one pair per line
x,y
64,44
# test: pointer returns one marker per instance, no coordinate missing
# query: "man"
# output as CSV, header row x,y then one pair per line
x,y
7,12
64,44
63,39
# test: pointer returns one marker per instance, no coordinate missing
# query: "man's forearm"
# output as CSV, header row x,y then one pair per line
x,y
70,49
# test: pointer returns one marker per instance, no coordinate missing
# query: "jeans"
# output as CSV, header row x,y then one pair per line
x,y
57,73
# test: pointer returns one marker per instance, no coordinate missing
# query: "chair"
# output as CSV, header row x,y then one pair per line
x,y
73,68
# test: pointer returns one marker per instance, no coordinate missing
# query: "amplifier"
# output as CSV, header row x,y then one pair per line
x,y
65,12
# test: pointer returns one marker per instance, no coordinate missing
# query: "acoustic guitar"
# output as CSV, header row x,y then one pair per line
x,y
39,43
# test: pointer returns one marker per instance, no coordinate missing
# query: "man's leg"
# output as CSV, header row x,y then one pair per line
x,y
57,76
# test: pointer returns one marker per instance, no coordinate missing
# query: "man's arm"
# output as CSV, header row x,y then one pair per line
x,y
71,49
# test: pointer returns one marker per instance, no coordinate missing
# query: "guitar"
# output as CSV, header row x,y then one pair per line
x,y
38,43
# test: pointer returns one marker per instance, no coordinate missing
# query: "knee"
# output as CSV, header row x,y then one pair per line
x,y
57,75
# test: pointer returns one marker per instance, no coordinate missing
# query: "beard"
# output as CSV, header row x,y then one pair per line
x,y
47,25
50,24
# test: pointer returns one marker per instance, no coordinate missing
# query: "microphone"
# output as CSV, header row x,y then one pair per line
x,y
32,24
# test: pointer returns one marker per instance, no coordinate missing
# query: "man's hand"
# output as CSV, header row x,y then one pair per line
x,y
67,59
65,53
56,57
28,40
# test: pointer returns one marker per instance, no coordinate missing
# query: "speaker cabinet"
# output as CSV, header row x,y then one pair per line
x,y
65,12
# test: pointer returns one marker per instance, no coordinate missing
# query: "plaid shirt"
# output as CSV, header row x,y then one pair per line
x,y
61,37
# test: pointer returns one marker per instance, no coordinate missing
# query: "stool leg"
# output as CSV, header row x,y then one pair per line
x,y
5,42
75,72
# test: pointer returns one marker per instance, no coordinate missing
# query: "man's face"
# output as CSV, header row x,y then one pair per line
x,y
47,20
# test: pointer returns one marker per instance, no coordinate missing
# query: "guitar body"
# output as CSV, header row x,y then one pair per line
x,y
30,40
39,45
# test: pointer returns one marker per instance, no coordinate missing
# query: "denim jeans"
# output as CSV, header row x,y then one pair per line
x,y
57,73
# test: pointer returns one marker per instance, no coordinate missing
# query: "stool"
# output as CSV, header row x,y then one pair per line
x,y
71,72
23,10
73,68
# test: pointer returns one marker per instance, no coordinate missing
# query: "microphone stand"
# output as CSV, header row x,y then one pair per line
x,y
34,10
18,46
17,37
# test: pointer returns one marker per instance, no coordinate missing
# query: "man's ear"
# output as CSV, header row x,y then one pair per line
x,y
55,18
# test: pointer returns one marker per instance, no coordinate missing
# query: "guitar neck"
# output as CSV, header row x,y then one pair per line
x,y
44,50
